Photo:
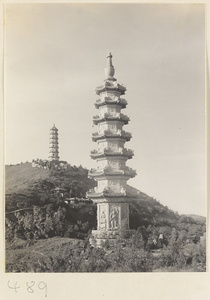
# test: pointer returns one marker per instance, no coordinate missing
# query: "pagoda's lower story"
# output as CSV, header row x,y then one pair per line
x,y
111,194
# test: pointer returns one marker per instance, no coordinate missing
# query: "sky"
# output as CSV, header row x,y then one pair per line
x,y
55,58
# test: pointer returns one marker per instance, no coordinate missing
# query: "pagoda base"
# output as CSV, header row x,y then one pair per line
x,y
112,216
112,222
99,238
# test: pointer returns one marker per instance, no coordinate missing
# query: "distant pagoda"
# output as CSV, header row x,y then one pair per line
x,y
111,194
54,149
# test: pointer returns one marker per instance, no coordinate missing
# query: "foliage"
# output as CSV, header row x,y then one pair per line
x,y
131,254
55,219
71,256
36,214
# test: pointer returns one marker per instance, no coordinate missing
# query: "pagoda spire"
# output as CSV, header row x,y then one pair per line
x,y
109,70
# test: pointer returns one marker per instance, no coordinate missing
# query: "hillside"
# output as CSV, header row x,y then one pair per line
x,y
40,221
20,178
198,218
26,186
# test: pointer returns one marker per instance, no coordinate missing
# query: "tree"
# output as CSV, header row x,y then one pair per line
x,y
39,219
58,218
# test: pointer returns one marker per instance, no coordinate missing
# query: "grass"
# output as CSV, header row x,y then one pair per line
x,y
21,257
21,177
59,254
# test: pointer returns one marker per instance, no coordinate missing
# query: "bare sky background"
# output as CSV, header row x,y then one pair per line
x,y
55,57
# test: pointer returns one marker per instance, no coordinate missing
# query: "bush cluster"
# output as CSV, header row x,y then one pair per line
x,y
131,254
50,220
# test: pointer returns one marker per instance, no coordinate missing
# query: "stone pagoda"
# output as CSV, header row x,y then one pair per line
x,y
112,193
53,152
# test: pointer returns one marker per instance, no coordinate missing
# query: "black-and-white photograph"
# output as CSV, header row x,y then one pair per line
x,y
105,138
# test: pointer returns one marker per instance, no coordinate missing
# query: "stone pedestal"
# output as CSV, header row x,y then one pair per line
x,y
112,219
112,216
99,237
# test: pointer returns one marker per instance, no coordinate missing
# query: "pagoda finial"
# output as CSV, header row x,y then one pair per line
x,y
109,60
109,70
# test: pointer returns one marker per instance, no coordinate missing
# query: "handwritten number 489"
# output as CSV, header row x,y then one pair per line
x,y
29,286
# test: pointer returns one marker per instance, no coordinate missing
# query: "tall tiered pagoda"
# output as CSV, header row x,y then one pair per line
x,y
54,149
111,194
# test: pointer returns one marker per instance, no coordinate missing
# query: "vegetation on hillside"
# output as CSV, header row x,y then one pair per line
x,y
133,254
38,216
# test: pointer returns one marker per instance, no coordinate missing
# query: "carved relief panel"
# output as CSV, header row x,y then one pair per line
x,y
123,183
114,217
112,128
112,109
121,144
101,185
114,164
112,146
110,95
102,222
103,110
101,145
114,185
102,127
102,164
122,164
125,216
119,126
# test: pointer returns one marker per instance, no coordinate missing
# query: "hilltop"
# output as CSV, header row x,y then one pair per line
x,y
26,185
20,178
